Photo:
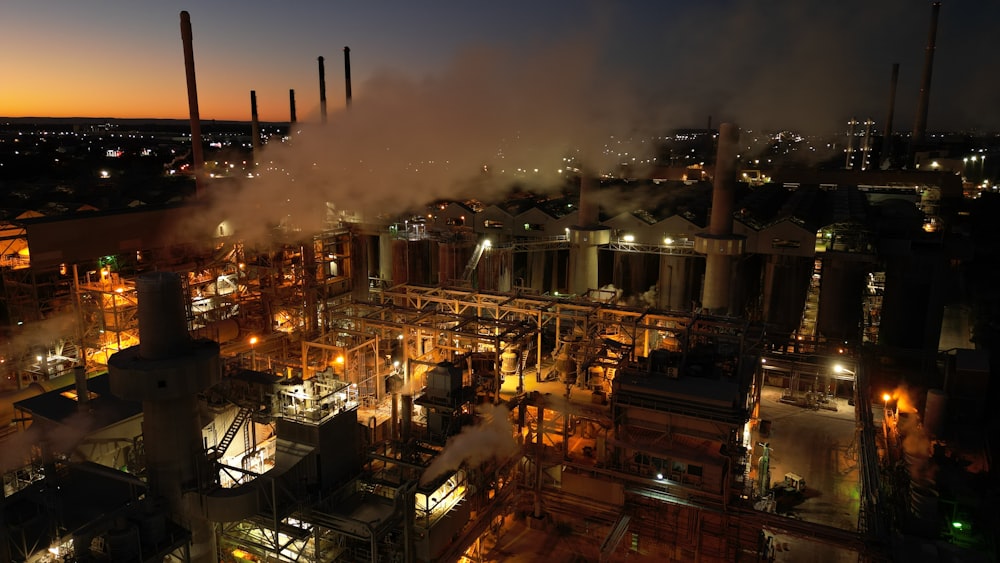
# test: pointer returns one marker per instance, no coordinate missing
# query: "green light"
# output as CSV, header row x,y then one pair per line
x,y
957,525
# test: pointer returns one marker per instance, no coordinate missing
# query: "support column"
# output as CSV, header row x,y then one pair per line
x,y
673,284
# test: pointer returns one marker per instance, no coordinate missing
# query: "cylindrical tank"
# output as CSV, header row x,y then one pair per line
x,y
162,322
452,258
935,411
924,505
508,362
565,364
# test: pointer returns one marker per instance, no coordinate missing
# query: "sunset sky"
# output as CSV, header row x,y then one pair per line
x,y
792,63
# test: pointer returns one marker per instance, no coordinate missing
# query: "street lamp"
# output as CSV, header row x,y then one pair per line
x,y
253,352
841,369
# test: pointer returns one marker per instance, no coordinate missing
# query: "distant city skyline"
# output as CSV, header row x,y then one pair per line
x,y
809,65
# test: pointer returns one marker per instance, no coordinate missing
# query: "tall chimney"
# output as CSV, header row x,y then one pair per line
x,y
584,238
254,124
166,372
347,73
291,107
719,244
920,123
322,91
197,156
887,134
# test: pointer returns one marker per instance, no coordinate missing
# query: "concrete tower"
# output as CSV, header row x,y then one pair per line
x,y
584,239
197,155
322,90
254,124
920,121
347,75
165,372
719,244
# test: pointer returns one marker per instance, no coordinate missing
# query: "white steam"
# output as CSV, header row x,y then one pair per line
x,y
492,437
488,121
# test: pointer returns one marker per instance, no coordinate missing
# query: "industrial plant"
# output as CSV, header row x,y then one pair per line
x,y
751,366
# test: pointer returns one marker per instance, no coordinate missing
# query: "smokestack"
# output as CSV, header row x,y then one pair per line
x,y
162,321
920,123
322,91
588,210
82,393
254,123
347,73
291,107
887,134
166,372
197,156
584,238
724,183
719,244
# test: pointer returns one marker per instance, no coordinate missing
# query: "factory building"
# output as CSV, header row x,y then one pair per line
x,y
323,378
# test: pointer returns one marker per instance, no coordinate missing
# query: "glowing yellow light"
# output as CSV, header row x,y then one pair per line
x,y
886,397
253,340
340,359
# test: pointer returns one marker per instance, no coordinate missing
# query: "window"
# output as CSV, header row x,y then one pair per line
x,y
534,227
694,470
784,243
491,224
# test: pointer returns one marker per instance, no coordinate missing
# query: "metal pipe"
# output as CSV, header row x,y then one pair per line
x,y
291,107
322,90
162,321
197,155
406,424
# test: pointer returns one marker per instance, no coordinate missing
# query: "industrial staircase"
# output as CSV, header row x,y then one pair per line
x,y
230,435
477,253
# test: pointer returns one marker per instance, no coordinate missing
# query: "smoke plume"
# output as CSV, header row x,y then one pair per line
x,y
43,333
492,437
490,120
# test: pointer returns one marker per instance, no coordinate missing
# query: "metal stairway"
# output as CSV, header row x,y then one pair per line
x,y
230,435
474,260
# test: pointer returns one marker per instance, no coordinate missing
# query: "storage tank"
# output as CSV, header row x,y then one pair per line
x,y
565,365
508,362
